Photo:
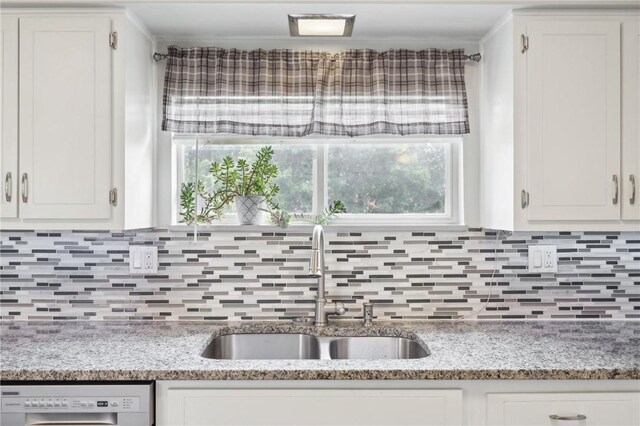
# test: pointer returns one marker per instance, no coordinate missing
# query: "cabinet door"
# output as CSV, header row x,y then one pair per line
x,y
9,116
306,407
631,121
573,120
65,117
583,409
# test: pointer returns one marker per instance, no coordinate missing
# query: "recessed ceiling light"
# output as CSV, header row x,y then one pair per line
x,y
321,25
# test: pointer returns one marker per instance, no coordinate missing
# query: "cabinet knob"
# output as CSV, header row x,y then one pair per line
x,y
8,190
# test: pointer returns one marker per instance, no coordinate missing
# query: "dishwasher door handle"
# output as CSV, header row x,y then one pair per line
x,y
79,419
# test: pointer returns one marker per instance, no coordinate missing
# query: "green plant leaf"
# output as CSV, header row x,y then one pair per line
x,y
327,216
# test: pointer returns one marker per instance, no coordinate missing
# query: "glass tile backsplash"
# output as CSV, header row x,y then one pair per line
x,y
77,275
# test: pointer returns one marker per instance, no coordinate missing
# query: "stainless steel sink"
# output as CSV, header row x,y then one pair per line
x,y
305,346
374,347
263,346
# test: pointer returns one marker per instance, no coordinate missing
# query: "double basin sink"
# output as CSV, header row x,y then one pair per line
x,y
304,346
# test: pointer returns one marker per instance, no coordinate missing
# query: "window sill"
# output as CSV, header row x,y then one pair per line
x,y
307,228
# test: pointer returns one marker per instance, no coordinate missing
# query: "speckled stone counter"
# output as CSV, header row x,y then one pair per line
x,y
459,350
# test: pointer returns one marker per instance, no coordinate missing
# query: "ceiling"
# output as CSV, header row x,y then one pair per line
x,y
373,21
383,20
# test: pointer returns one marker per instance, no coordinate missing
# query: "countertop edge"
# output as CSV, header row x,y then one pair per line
x,y
116,375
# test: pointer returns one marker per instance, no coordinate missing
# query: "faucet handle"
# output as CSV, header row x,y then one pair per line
x,y
339,308
367,313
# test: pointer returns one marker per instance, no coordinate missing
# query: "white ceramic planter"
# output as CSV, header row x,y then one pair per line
x,y
248,208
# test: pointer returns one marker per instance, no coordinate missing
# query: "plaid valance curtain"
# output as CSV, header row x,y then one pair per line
x,y
298,93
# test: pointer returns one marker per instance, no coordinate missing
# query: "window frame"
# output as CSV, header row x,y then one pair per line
x,y
453,189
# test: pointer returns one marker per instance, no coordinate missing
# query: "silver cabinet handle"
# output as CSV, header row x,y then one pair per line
x,y
615,195
524,43
8,187
576,417
524,199
632,199
25,188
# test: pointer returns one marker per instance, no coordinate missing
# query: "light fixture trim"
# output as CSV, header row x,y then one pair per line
x,y
294,30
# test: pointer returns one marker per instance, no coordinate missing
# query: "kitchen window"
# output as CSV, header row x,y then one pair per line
x,y
405,181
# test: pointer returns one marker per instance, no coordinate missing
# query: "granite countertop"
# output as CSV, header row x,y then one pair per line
x,y
459,350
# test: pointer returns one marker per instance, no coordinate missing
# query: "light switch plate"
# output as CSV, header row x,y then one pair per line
x,y
543,258
143,259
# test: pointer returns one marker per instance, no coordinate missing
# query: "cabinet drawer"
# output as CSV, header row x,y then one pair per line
x,y
302,407
571,409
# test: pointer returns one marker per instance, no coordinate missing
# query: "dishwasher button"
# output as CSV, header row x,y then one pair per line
x,y
83,403
65,403
114,403
27,404
50,403
91,404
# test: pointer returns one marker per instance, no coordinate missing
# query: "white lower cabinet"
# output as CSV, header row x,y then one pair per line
x,y
584,409
297,407
398,402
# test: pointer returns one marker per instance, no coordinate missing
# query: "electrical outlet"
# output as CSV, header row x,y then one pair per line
x,y
543,258
143,259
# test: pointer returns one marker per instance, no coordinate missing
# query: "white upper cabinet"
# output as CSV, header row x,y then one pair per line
x,y
630,178
559,117
573,120
73,148
9,116
65,117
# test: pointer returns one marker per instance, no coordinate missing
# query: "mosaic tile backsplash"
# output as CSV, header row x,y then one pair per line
x,y
261,275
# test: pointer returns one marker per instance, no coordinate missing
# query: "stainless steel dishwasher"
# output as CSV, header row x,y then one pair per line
x,y
77,404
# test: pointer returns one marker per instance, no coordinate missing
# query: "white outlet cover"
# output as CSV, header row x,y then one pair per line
x,y
143,259
543,258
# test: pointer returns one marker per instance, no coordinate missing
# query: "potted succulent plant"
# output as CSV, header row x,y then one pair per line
x,y
249,185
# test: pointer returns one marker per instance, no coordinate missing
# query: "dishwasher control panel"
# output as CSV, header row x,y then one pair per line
x,y
75,403
70,403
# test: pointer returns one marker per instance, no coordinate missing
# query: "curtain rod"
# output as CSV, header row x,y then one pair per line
x,y
475,57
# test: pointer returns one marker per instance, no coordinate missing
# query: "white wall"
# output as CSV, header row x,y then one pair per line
x,y
139,123
166,198
496,143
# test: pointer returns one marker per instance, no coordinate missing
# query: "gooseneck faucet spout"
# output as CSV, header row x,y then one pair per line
x,y
317,270
316,261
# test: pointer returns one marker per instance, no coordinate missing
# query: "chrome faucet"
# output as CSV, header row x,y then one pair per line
x,y
316,270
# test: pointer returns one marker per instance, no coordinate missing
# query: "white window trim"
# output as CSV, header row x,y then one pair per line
x,y
450,219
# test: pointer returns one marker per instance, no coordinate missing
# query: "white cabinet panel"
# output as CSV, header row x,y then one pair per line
x,y
65,117
630,120
306,407
573,119
592,409
9,116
